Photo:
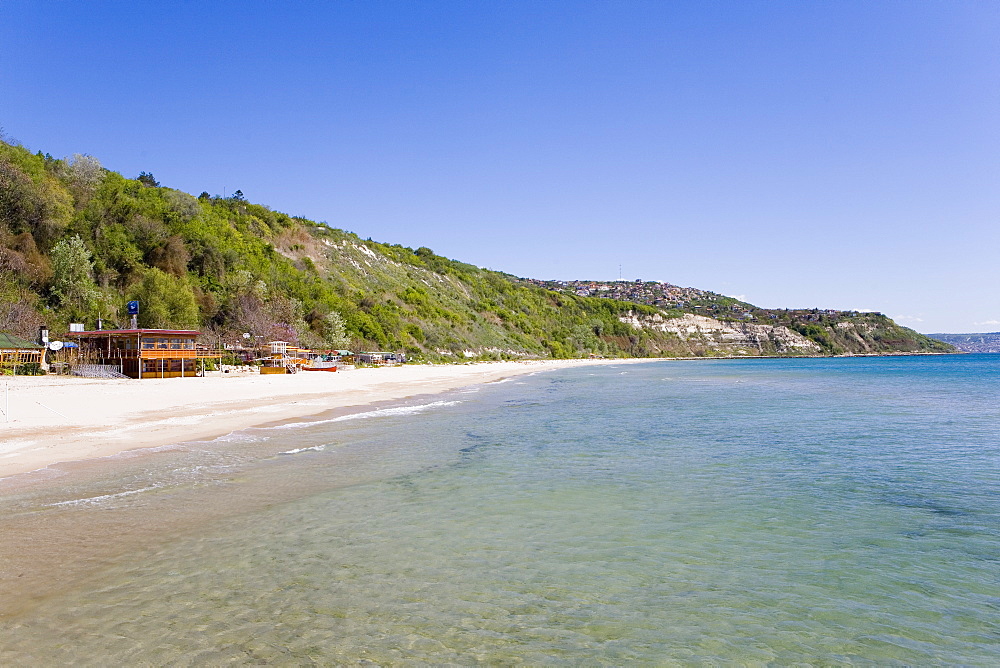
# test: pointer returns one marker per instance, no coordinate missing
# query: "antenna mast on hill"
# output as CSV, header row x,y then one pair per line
x,y
619,273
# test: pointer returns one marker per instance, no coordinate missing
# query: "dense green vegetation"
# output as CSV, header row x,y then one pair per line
x,y
77,242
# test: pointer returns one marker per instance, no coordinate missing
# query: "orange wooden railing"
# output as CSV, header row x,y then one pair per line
x,y
163,354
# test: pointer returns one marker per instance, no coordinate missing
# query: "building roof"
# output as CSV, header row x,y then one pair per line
x,y
8,341
123,332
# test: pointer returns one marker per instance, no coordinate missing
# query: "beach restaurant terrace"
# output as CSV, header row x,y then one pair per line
x,y
141,353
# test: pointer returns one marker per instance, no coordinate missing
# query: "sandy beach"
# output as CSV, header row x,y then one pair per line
x,y
55,419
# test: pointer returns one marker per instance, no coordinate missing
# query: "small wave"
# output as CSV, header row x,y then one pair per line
x,y
141,452
379,412
317,448
240,436
103,497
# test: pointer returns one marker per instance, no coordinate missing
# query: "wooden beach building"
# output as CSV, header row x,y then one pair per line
x,y
141,353
15,353
380,358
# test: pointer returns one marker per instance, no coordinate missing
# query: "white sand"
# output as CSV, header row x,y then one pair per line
x,y
52,419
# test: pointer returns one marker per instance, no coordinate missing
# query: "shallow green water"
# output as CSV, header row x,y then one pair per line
x,y
842,511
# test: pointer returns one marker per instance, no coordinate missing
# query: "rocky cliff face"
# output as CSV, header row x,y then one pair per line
x,y
858,337
701,335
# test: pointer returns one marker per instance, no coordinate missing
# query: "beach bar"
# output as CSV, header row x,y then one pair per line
x,y
141,353
15,353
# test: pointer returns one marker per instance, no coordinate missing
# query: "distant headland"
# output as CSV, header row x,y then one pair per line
x,y
988,342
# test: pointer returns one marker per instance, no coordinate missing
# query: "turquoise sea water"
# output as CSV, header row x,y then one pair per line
x,y
817,511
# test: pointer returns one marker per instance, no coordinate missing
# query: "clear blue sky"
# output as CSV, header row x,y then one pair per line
x,y
796,154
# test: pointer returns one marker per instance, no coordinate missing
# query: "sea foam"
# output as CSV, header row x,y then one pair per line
x,y
317,448
378,412
94,500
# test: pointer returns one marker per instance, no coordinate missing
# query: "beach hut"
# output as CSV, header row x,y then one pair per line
x,y
279,360
140,353
370,358
16,353
380,358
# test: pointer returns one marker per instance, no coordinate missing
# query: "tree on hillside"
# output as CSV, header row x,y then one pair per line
x,y
146,179
21,262
37,206
165,301
73,276
335,331
172,257
19,318
84,171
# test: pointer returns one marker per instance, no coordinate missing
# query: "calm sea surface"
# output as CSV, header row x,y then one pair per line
x,y
820,511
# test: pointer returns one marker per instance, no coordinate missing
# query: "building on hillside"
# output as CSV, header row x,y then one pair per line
x,y
140,353
15,352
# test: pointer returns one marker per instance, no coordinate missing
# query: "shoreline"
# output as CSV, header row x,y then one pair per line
x,y
52,420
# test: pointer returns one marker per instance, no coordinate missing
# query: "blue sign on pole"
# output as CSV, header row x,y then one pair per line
x,y
133,308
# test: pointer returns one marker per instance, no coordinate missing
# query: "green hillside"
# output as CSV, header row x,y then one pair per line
x,y
77,242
